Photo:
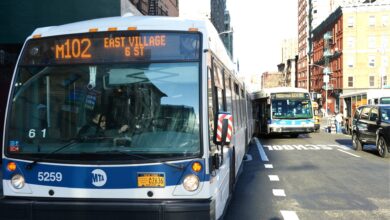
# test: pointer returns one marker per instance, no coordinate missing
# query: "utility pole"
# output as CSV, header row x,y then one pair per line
x,y
326,70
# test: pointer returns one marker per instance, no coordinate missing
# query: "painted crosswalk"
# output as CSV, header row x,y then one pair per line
x,y
305,147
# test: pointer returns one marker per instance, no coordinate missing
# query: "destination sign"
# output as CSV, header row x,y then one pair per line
x,y
291,95
109,47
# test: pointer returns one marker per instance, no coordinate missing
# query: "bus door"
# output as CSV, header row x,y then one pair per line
x,y
264,115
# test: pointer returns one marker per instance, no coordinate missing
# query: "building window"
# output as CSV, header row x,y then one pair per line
x,y
385,42
384,80
351,42
371,61
385,20
350,81
351,22
371,42
385,61
371,21
351,62
372,81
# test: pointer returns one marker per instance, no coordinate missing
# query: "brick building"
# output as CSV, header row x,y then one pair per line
x,y
327,60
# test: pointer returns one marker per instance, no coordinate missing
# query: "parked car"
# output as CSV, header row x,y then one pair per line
x,y
371,125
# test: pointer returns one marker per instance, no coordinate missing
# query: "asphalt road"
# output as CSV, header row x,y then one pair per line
x,y
316,176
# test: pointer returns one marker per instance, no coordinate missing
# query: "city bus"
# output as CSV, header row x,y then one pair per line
x,y
124,117
351,101
283,110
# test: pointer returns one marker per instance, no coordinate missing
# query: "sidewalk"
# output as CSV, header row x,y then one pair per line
x,y
324,124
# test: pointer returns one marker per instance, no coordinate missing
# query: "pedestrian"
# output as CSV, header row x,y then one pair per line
x,y
339,120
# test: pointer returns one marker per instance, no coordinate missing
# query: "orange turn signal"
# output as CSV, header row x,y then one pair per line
x,y
93,29
11,166
196,167
132,28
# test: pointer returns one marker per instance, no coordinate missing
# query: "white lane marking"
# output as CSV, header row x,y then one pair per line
x,y
273,177
268,166
348,153
279,192
343,147
261,150
289,215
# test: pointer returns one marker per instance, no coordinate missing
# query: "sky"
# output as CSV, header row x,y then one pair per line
x,y
259,28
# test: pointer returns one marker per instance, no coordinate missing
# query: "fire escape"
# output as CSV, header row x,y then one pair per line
x,y
152,7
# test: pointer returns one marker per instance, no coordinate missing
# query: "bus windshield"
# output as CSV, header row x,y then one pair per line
x,y
291,108
87,111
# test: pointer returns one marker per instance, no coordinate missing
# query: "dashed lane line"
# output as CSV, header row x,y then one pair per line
x,y
273,178
289,215
268,166
279,192
263,156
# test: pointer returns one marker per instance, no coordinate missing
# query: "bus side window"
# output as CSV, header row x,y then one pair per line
x,y
218,83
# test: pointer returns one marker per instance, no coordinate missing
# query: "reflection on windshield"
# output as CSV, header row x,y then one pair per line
x,y
148,109
385,114
289,109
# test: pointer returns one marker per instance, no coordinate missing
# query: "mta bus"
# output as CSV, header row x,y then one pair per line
x,y
283,110
124,117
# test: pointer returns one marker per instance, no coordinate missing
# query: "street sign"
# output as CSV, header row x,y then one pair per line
x,y
326,78
330,87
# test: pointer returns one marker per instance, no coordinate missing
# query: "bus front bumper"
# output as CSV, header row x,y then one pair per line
x,y
290,130
61,209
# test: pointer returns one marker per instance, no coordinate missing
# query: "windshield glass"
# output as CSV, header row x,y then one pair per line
x,y
291,109
148,109
385,100
385,114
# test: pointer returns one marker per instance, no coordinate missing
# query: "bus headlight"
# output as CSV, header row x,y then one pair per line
x,y
18,181
191,182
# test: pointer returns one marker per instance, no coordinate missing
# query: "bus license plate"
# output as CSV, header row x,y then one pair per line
x,y
151,180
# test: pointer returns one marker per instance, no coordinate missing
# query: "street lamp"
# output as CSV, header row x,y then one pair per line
x,y
326,71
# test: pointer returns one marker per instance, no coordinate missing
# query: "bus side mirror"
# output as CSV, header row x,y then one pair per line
x,y
224,129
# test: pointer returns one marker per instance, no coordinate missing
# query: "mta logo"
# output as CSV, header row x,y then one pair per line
x,y
99,177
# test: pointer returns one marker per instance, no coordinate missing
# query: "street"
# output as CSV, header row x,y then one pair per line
x,y
315,176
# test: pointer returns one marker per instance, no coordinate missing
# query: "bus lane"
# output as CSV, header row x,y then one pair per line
x,y
316,176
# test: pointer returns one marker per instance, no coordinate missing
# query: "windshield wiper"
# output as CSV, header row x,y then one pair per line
x,y
180,167
70,143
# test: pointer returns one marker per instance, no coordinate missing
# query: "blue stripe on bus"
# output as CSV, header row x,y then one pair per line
x,y
117,177
291,122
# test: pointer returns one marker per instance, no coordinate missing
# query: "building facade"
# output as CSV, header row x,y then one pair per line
x,y
366,47
272,79
351,52
154,7
327,67
304,28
